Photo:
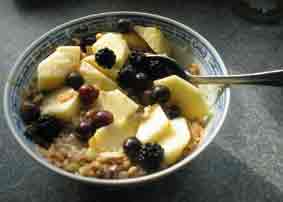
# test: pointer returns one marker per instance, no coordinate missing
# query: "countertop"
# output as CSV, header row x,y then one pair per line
x,y
244,162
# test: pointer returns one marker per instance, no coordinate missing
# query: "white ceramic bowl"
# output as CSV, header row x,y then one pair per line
x,y
178,33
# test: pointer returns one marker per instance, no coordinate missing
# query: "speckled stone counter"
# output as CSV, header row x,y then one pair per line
x,y
245,161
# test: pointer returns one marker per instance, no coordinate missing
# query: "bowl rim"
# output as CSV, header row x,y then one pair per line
x,y
128,181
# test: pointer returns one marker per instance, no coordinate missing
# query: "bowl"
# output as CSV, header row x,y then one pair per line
x,y
179,33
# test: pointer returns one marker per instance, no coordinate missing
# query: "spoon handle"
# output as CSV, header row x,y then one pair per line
x,y
271,78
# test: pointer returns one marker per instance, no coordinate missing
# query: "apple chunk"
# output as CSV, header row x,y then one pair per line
x,y
188,97
63,104
111,138
118,45
94,77
119,104
155,126
175,142
154,38
52,71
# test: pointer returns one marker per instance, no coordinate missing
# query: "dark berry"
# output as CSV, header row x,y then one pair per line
x,y
172,111
74,80
151,156
87,41
88,94
106,58
32,133
102,118
124,25
29,112
132,147
158,69
142,81
161,94
126,76
138,60
146,98
86,129
48,127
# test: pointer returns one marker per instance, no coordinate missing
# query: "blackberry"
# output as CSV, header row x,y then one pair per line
x,y
124,25
48,127
126,76
29,112
150,156
106,58
132,148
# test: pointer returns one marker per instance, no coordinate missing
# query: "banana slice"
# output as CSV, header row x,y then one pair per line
x,y
52,71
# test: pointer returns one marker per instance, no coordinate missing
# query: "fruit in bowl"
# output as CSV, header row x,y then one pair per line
x,y
101,109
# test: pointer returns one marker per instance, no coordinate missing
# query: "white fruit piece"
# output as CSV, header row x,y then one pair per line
x,y
175,142
119,104
52,71
118,45
188,97
154,38
134,41
63,104
93,76
155,126
111,138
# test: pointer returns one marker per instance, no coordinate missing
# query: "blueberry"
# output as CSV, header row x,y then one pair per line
x,y
48,127
124,25
142,81
126,76
106,58
74,80
132,147
29,112
161,94
88,94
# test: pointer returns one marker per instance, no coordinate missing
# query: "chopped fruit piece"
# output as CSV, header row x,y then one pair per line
x,y
124,25
105,57
155,126
53,70
150,156
186,96
161,94
154,38
176,141
98,35
29,112
74,80
102,118
117,103
135,42
94,77
63,104
118,45
132,147
111,138
88,94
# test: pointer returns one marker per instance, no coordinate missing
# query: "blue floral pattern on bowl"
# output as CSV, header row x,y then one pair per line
x,y
26,65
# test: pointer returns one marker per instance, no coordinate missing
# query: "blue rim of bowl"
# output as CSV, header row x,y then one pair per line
x,y
129,181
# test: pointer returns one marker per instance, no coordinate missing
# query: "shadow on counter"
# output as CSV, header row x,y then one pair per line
x,y
214,176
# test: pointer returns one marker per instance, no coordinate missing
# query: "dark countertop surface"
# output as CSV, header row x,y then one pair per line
x,y
244,162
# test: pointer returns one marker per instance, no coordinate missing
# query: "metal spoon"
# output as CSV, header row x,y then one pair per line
x,y
271,78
